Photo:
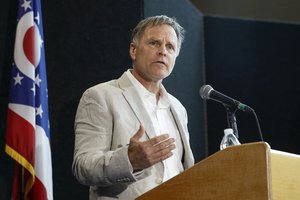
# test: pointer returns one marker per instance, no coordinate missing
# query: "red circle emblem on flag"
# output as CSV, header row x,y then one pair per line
x,y
28,45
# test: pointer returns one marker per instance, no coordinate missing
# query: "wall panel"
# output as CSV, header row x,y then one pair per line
x,y
257,63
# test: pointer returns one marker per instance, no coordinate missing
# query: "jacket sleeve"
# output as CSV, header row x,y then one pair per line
x,y
95,163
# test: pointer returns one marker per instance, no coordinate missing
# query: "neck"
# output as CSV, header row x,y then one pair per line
x,y
151,86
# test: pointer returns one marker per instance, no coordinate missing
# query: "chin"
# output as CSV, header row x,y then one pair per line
x,y
160,77
159,74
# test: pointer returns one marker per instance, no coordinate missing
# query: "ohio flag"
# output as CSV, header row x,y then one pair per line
x,y
28,135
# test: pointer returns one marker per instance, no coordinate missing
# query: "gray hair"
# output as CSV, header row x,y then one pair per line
x,y
156,21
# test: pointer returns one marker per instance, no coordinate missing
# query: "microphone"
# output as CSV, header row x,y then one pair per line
x,y
207,92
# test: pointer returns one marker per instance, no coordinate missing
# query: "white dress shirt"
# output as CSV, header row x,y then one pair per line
x,y
163,122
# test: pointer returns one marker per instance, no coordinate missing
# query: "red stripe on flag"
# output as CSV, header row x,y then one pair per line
x,y
38,190
19,133
17,192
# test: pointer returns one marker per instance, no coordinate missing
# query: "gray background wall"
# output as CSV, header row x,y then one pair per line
x,y
267,10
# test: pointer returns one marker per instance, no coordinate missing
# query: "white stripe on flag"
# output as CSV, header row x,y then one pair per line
x,y
43,163
27,112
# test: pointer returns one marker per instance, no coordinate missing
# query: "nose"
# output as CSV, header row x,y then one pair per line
x,y
162,51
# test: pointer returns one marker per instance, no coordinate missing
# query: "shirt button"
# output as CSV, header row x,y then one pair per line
x,y
158,180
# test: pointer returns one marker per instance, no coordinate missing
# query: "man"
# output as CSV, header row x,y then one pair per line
x,y
131,135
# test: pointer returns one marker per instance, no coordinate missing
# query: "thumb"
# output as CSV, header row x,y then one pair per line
x,y
137,136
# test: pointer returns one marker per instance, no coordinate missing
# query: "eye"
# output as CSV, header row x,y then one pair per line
x,y
152,42
170,46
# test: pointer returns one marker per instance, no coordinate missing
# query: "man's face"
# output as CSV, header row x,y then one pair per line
x,y
155,54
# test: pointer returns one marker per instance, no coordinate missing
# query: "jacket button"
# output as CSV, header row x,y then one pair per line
x,y
158,180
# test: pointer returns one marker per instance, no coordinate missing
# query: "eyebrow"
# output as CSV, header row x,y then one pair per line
x,y
156,39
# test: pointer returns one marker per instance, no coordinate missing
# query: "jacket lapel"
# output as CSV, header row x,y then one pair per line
x,y
136,104
188,159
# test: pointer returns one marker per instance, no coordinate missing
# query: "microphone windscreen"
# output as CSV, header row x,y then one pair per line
x,y
204,91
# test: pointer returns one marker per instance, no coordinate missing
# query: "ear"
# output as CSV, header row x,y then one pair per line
x,y
132,51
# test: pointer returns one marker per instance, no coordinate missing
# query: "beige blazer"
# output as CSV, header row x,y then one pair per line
x,y
107,116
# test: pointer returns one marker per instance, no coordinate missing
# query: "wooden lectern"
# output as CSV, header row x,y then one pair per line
x,y
250,171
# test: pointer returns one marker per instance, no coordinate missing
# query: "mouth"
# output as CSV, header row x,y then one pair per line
x,y
161,62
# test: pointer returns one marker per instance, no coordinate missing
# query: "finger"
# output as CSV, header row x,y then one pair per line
x,y
164,148
156,140
165,143
137,136
162,155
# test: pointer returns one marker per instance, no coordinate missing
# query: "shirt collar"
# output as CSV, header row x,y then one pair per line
x,y
163,102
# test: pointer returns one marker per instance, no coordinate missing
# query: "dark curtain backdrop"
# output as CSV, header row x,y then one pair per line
x,y
87,42
257,63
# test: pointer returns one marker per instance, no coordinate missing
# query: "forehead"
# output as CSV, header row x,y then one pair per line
x,y
160,31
